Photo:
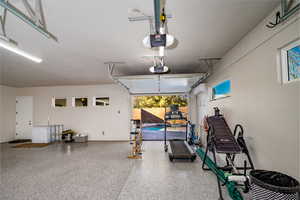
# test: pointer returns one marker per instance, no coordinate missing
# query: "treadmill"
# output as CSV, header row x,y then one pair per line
x,y
179,149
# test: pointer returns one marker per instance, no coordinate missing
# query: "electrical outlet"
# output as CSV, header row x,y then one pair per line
x,y
103,133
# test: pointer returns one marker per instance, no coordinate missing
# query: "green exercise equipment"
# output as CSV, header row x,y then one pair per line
x,y
222,176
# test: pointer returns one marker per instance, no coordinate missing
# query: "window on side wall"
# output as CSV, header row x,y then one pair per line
x,y
79,101
101,101
221,90
59,102
290,62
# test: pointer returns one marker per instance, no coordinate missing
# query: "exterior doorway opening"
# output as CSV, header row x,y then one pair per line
x,y
151,111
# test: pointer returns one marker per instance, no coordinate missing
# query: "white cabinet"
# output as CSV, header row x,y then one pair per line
x,y
41,134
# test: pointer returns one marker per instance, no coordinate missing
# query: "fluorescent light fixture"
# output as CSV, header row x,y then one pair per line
x,y
13,48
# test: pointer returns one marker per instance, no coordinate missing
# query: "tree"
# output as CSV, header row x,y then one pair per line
x,y
159,101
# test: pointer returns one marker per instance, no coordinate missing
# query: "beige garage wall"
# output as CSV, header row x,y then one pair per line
x,y
100,123
268,109
7,113
1,113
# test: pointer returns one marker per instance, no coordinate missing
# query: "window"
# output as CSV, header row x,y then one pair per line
x,y
80,102
101,101
221,90
293,60
290,62
59,102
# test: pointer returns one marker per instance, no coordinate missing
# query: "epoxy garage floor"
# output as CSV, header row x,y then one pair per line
x,y
101,170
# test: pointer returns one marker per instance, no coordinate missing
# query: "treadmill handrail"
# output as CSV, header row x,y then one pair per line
x,y
168,119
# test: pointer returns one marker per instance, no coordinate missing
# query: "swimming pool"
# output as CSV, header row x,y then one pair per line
x,y
154,128
157,133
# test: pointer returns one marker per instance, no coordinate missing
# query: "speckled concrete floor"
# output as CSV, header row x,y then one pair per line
x,y
100,170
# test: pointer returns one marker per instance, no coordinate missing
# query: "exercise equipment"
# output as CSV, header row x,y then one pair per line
x,y
179,149
136,140
192,137
221,140
221,176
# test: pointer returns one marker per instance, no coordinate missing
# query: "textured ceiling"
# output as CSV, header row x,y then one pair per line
x,y
93,32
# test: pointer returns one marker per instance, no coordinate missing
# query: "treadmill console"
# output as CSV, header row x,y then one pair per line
x,y
171,115
175,113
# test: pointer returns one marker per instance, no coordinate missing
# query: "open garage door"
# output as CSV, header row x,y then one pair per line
x,y
159,84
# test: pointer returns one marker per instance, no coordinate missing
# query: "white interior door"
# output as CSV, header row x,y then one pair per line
x,y
24,115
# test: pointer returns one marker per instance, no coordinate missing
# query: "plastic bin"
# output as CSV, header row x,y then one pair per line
x,y
273,186
80,138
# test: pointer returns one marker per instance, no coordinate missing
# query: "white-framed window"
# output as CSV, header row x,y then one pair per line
x,y
221,90
290,62
101,101
59,102
79,101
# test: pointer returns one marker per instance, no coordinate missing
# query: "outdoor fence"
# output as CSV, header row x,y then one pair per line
x,y
153,115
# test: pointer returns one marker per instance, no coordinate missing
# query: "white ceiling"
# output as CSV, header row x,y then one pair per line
x,y
93,32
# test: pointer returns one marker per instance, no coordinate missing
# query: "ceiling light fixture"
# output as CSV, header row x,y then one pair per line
x,y
6,44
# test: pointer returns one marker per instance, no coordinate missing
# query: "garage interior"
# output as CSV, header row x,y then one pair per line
x,y
69,71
